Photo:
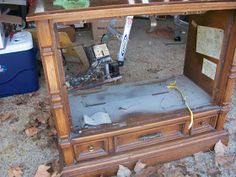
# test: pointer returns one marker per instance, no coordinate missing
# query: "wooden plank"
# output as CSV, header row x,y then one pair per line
x,y
105,9
156,154
82,57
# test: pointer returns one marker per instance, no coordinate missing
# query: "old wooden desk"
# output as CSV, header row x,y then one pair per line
x,y
152,137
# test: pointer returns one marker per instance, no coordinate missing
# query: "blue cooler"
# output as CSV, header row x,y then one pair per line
x,y
18,72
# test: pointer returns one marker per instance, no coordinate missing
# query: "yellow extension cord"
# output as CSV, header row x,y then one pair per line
x,y
173,85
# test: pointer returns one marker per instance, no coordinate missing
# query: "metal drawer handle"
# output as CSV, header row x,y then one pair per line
x,y
150,136
91,149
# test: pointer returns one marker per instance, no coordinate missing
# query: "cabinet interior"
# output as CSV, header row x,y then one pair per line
x,y
134,102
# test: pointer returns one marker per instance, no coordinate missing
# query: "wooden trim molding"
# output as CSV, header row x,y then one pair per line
x,y
126,10
54,79
168,151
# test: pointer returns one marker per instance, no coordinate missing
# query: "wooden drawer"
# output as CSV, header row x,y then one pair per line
x,y
148,137
204,124
91,149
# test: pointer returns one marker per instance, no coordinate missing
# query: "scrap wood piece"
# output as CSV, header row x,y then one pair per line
x,y
64,40
66,44
67,47
76,53
82,56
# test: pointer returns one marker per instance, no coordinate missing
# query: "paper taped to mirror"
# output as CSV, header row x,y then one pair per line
x,y
209,41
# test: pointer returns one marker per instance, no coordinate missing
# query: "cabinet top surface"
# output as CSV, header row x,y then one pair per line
x,y
49,9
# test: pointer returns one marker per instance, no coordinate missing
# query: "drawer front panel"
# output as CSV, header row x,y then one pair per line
x,y
204,124
148,137
92,149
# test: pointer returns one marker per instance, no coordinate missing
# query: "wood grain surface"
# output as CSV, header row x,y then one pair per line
x,y
96,152
44,9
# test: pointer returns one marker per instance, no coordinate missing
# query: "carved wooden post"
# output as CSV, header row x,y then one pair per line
x,y
56,86
227,96
229,76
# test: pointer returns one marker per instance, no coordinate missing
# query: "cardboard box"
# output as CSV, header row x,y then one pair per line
x,y
99,27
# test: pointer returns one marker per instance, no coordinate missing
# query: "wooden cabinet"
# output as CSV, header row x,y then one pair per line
x,y
153,132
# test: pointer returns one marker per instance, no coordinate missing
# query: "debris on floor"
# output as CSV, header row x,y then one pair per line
x,y
202,164
101,69
44,171
139,167
27,134
5,116
31,131
15,171
123,171
146,172
98,118
221,156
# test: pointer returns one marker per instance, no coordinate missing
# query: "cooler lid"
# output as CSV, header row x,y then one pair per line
x,y
21,41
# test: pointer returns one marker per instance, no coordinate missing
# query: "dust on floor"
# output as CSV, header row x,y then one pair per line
x,y
148,58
